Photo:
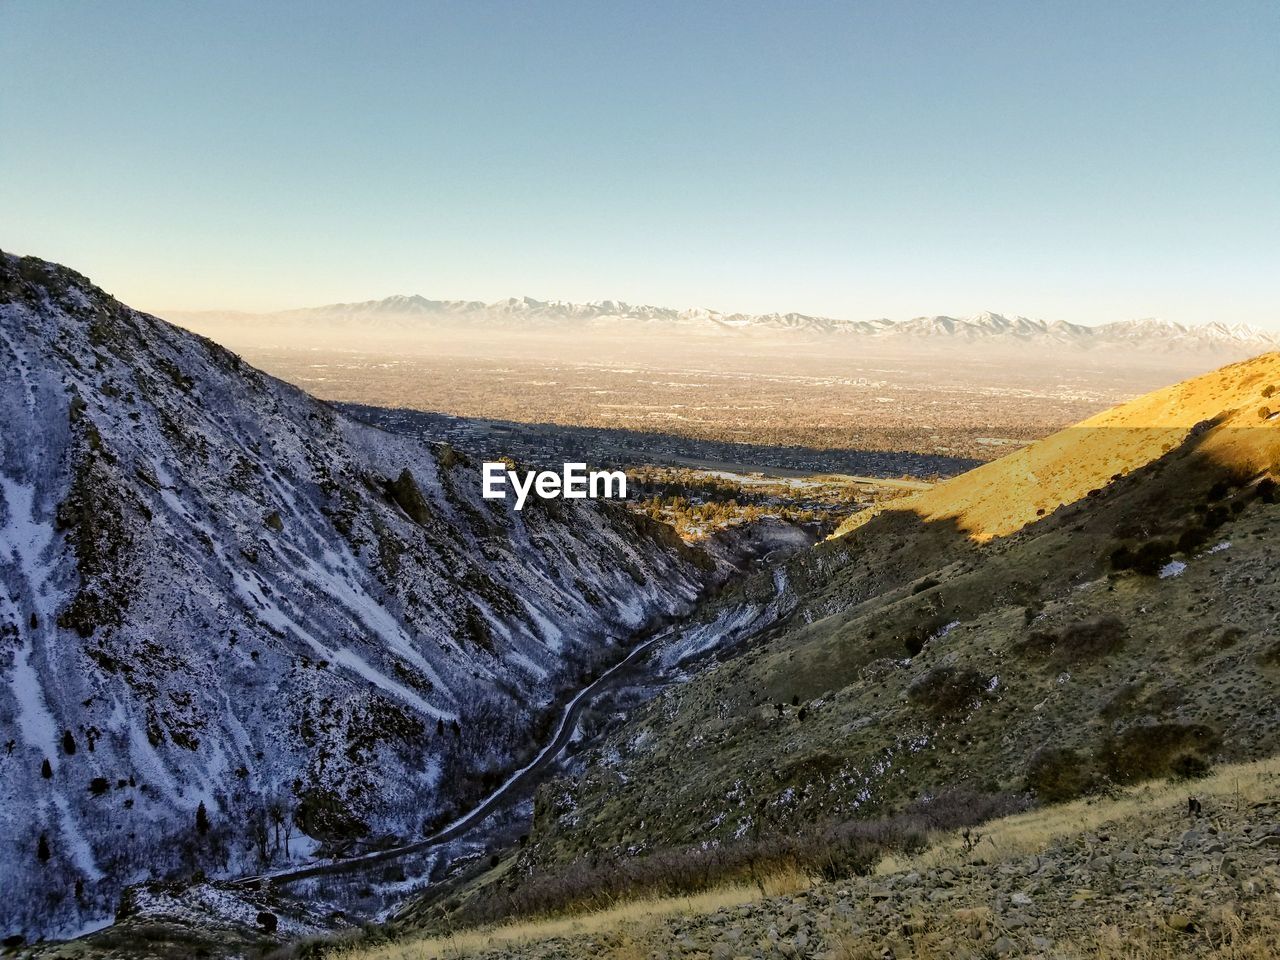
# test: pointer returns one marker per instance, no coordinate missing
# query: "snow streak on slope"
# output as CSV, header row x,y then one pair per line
x,y
214,590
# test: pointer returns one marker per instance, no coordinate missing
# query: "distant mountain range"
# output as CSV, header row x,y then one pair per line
x,y
405,313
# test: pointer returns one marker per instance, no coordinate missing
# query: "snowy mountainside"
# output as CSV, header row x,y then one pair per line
x,y
219,599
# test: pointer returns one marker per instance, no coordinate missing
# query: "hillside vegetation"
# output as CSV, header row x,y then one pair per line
x,y
1133,875
1093,612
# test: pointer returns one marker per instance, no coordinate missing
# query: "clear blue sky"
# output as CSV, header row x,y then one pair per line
x,y
1087,161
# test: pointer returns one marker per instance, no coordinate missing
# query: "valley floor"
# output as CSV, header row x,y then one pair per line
x,y
1131,875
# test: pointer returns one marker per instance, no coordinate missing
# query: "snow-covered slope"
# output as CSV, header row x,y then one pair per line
x,y
217,592
405,314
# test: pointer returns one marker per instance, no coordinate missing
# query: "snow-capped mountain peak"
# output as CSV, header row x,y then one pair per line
x,y
404,314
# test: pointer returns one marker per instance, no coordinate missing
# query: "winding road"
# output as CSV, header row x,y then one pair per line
x,y
478,814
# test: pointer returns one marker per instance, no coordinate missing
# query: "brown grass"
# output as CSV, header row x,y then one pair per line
x,y
1252,937
632,929
1034,832
628,926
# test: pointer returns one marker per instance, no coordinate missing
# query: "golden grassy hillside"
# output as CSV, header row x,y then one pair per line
x,y
1003,496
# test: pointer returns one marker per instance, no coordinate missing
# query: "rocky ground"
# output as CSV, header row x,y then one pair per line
x,y
1161,883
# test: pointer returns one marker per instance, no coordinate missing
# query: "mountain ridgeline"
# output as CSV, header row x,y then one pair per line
x,y
220,599
407,315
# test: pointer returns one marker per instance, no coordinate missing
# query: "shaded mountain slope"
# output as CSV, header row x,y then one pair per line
x,y
1133,632
220,600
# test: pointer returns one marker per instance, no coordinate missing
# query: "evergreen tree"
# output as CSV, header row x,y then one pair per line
x,y
202,819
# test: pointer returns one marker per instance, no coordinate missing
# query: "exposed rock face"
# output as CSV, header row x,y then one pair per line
x,y
215,590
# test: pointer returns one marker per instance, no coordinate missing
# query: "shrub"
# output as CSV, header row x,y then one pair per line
x,y
322,814
403,491
1216,516
921,631
1039,643
1121,558
1092,638
1056,774
914,643
1158,750
1152,555
832,850
1270,657
1086,640
948,691
1192,539
1121,701
1146,559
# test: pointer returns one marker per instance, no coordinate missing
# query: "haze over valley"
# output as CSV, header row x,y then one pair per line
x,y
955,388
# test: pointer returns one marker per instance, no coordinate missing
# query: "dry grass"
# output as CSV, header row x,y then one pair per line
x,y
1255,937
1002,497
1032,832
625,924
629,930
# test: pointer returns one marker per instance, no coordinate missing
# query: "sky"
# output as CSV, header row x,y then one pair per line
x,y
1084,161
